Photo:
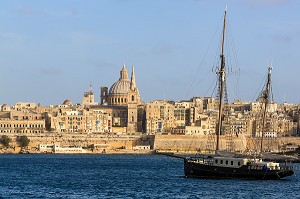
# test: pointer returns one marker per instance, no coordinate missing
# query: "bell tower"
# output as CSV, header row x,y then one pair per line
x,y
103,95
133,102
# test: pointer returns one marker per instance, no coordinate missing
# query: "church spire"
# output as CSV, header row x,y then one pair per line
x,y
132,82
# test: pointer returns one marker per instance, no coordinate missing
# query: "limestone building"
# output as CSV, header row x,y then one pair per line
x,y
88,97
125,94
20,120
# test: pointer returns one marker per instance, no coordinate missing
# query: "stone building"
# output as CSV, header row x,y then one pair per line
x,y
124,94
88,98
159,116
21,121
195,116
80,119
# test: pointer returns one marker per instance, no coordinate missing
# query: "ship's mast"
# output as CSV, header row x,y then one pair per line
x,y
221,82
265,96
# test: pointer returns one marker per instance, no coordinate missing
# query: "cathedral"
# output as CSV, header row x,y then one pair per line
x,y
124,94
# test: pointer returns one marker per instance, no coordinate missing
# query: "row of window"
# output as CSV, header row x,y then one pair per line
x,y
118,100
21,126
20,131
28,117
115,100
226,162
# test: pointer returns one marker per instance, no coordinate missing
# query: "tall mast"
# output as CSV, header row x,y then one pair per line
x,y
221,82
265,96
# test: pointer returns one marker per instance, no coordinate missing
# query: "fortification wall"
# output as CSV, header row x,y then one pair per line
x,y
241,143
190,143
180,143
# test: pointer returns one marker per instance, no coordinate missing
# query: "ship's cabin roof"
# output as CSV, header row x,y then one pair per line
x,y
238,162
230,162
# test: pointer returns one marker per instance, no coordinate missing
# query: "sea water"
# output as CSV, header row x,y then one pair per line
x,y
124,176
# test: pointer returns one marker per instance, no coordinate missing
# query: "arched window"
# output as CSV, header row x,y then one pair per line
x,y
132,98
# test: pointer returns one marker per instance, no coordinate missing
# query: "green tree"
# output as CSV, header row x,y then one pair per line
x,y
23,141
5,140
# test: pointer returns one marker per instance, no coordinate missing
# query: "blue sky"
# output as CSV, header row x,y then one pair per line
x,y
51,50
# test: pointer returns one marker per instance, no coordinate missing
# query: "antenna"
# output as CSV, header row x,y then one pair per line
x,y
91,89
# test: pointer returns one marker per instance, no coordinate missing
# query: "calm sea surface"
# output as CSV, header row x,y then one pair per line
x,y
123,176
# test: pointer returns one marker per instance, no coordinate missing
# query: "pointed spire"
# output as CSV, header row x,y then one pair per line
x,y
124,65
132,82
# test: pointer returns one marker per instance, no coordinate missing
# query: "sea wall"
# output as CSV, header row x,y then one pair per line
x,y
273,144
127,143
194,143
181,143
96,142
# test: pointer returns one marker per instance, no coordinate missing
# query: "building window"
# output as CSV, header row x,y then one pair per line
x,y
216,161
132,98
226,161
231,162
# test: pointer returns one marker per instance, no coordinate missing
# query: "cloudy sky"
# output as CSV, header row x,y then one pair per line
x,y
51,50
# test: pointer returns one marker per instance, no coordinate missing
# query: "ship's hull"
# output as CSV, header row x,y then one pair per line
x,y
200,170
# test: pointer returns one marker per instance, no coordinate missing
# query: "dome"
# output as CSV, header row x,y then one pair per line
x,y
5,106
67,102
122,86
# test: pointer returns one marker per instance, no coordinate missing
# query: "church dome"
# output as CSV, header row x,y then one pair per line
x,y
120,87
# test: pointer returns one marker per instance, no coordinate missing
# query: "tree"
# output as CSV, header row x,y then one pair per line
x,y
5,140
23,141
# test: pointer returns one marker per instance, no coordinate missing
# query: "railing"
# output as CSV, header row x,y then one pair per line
x,y
290,167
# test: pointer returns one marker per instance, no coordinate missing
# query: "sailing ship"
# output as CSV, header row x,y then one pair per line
x,y
216,166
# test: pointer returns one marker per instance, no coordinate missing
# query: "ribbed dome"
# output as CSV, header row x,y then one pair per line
x,y
122,86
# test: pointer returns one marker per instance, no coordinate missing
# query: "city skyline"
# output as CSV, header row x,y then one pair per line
x,y
51,51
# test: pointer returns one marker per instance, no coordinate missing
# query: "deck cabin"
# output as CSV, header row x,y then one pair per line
x,y
257,164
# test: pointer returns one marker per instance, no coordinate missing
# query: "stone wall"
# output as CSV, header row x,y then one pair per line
x,y
180,143
193,143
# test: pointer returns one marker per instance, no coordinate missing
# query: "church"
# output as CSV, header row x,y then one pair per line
x,y
124,100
